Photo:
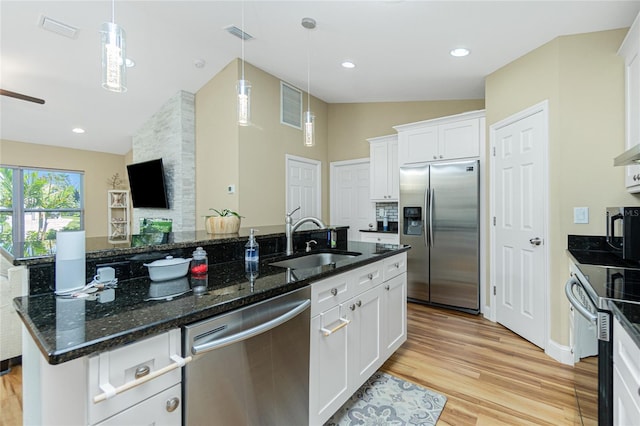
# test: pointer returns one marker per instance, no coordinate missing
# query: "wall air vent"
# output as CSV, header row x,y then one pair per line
x,y
290,106
58,27
235,31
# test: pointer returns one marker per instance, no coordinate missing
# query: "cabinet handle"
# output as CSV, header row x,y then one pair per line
x,y
359,303
334,291
397,264
179,362
387,287
435,157
172,404
142,371
352,307
441,156
370,276
328,332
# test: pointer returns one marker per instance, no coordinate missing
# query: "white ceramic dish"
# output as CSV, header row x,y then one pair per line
x,y
168,268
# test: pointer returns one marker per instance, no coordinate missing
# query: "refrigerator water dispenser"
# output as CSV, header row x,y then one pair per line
x,y
412,221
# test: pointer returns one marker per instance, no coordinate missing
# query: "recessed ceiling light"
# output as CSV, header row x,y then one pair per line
x,y
77,130
459,52
348,64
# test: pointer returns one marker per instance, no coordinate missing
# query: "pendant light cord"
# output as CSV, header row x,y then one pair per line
x,y
308,70
113,11
243,37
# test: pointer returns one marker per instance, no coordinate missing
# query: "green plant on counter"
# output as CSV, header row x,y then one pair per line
x,y
226,213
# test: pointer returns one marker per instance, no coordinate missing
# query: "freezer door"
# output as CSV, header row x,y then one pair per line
x,y
455,236
414,184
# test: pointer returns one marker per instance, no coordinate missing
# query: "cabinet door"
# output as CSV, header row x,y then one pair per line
x,y
162,409
418,145
459,140
394,314
632,136
364,335
328,381
393,181
378,170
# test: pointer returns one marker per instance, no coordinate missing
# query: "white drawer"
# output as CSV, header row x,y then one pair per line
x,y
626,358
394,266
379,237
118,367
163,409
329,292
367,277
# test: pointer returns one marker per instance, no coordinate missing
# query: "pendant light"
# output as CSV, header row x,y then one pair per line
x,y
113,46
308,130
243,87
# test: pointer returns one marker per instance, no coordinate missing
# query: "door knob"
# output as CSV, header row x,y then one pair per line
x,y
535,241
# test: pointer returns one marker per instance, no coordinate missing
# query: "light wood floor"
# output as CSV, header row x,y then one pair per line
x,y
490,375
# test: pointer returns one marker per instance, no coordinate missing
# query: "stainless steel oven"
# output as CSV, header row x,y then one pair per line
x,y
589,291
250,366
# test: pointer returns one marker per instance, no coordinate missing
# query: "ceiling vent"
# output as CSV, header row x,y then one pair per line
x,y
58,27
233,30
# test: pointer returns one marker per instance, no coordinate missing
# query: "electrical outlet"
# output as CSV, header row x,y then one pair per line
x,y
231,189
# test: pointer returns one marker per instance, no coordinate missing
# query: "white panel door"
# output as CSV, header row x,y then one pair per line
x,y
520,266
350,204
303,188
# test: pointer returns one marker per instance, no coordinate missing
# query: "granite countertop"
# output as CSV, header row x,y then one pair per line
x,y
67,328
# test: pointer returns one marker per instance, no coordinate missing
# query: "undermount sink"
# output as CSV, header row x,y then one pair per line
x,y
314,260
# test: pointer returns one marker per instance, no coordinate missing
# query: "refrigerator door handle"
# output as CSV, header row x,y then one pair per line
x,y
426,223
431,198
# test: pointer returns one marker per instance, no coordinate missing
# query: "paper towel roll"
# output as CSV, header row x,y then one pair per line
x,y
70,261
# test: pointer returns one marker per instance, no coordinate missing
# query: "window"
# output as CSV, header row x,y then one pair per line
x,y
36,203
290,106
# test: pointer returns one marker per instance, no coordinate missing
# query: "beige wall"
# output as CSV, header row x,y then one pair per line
x,y
350,125
98,167
583,79
251,158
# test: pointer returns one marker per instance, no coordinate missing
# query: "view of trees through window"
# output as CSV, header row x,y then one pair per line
x,y
36,203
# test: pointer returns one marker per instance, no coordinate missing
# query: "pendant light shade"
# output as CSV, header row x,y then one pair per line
x,y
308,131
113,47
244,102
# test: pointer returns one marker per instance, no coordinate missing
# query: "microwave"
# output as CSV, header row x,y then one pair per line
x,y
623,231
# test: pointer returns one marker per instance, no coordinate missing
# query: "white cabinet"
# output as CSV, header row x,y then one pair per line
x,y
626,377
379,237
64,393
119,219
630,50
384,173
447,138
358,320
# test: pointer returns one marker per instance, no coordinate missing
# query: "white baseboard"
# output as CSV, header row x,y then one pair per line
x,y
559,352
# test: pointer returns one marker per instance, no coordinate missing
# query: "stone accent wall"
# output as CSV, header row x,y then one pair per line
x,y
170,134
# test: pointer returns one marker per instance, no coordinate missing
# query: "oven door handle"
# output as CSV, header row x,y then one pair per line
x,y
568,290
254,331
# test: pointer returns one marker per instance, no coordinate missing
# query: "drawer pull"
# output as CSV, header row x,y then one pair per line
x,y
370,276
397,265
343,323
111,391
142,371
334,291
359,303
352,307
172,404
387,287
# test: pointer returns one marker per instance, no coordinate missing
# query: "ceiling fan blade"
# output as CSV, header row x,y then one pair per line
x,y
21,96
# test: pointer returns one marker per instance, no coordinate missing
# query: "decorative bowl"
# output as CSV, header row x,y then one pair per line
x,y
168,268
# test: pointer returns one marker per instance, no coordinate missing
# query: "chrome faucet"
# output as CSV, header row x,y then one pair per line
x,y
290,228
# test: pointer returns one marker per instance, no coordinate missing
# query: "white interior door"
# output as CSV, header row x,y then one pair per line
x,y
519,184
350,203
304,186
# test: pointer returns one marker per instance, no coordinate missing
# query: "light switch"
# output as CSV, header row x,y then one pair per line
x,y
581,215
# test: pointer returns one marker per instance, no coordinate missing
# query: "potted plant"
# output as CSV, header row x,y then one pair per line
x,y
223,222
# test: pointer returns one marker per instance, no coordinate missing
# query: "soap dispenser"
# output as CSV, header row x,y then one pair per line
x,y
251,250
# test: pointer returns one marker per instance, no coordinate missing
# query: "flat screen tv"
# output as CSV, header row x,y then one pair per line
x,y
147,183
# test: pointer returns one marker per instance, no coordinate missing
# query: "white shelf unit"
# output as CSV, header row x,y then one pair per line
x,y
119,216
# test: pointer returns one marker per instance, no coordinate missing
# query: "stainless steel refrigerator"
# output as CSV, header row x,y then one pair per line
x,y
440,219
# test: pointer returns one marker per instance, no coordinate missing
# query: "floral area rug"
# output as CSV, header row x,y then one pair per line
x,y
387,400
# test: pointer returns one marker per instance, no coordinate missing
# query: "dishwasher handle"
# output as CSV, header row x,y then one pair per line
x,y
568,290
254,331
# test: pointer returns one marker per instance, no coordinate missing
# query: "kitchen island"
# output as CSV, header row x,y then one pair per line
x,y
70,338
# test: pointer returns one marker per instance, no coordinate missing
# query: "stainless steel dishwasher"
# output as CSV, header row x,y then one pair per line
x,y
250,366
